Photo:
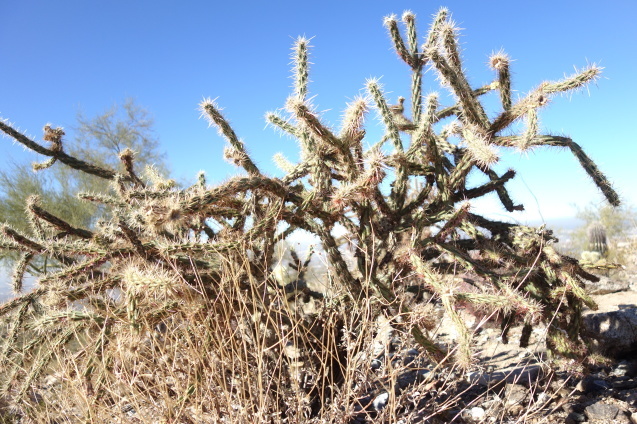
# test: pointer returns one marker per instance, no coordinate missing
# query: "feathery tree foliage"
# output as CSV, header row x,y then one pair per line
x,y
99,140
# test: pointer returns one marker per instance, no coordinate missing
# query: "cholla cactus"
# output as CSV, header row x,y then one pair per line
x,y
402,203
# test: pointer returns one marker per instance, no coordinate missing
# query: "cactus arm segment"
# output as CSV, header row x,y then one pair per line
x,y
60,155
391,23
211,111
301,67
34,207
495,184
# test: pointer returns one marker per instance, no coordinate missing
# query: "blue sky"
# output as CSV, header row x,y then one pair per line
x,y
58,58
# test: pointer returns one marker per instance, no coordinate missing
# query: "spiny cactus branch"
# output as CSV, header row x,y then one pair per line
x,y
60,224
71,161
210,110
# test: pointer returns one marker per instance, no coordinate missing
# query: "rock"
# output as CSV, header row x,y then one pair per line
x,y
624,384
625,369
363,404
633,418
576,417
509,374
515,394
601,411
590,384
477,414
613,331
605,286
411,377
380,401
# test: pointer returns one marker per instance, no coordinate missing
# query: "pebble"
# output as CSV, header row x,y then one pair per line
x,y
380,401
621,369
601,411
477,414
515,394
591,384
543,397
576,417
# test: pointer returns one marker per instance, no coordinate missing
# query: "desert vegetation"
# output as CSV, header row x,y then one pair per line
x,y
170,308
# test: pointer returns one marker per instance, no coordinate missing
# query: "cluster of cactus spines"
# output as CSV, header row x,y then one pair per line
x,y
167,241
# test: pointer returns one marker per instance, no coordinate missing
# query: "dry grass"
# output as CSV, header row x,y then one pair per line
x,y
246,353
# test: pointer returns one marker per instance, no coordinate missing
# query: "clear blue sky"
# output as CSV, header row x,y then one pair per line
x,y
61,57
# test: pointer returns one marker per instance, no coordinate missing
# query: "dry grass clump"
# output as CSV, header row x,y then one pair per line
x,y
239,352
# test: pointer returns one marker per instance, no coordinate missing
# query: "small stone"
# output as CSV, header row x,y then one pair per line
x,y
406,379
590,384
626,384
516,410
515,394
601,411
380,401
576,417
543,398
633,418
477,413
621,369
363,404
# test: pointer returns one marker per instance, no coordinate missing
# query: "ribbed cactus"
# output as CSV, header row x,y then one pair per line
x,y
402,203
597,238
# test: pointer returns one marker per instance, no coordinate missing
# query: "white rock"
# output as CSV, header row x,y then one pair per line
x,y
477,413
380,401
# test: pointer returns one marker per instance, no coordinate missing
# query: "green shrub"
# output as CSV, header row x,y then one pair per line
x,y
170,306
